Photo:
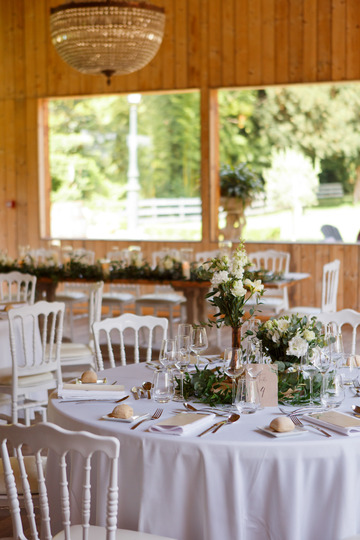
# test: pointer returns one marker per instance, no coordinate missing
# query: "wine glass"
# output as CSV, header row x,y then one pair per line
x,y
184,329
233,366
308,367
167,354
198,341
253,357
182,360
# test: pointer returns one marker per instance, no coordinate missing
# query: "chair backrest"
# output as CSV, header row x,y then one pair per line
x,y
345,317
204,256
331,233
85,256
114,328
66,445
330,283
17,287
35,339
43,256
275,261
95,302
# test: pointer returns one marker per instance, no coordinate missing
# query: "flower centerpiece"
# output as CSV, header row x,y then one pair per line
x,y
231,290
285,340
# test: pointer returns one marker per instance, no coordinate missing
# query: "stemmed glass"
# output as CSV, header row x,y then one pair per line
x,y
182,361
184,329
167,354
322,361
333,337
308,367
233,366
198,341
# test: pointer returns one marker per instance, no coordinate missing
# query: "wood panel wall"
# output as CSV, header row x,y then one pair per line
x,y
208,44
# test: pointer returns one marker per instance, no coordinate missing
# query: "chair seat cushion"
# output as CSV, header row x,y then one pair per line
x,y
29,380
161,299
75,351
30,467
71,296
98,533
117,297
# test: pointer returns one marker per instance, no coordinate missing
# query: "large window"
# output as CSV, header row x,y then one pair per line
x,y
305,142
126,167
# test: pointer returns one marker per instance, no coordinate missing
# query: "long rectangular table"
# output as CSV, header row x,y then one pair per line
x,y
194,291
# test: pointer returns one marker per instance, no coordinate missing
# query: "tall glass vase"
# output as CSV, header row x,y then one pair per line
x,y
236,337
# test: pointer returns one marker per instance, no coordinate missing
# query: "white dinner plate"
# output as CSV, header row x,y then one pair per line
x,y
296,431
132,418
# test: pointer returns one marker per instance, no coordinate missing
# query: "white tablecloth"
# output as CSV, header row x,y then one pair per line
x,y
237,484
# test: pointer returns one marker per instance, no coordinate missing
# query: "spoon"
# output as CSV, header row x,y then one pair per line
x,y
356,409
135,392
147,385
232,418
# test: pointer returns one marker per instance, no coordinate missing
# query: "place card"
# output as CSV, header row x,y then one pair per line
x,y
267,383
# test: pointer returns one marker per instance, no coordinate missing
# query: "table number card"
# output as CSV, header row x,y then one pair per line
x,y
267,383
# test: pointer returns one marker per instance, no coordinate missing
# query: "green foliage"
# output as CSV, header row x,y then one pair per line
x,y
241,182
89,153
210,386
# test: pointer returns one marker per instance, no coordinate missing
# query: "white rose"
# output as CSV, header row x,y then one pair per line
x,y
283,325
309,335
238,289
297,347
168,264
220,277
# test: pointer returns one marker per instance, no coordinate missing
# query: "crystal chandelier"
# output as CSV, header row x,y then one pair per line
x,y
110,37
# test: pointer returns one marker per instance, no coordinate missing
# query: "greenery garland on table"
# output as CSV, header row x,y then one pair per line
x,y
167,270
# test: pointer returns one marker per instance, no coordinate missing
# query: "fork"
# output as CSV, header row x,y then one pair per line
x,y
155,416
296,420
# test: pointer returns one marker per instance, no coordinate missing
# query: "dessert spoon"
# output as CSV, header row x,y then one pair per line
x,y
232,418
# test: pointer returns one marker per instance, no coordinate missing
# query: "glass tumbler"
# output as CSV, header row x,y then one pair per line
x,y
163,386
333,391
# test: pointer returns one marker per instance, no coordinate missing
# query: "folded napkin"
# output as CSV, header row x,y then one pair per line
x,y
342,423
183,424
90,391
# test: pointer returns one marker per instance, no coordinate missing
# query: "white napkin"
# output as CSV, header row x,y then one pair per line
x,y
184,424
337,421
91,391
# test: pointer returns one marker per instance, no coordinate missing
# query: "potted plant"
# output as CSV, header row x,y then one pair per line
x,y
239,185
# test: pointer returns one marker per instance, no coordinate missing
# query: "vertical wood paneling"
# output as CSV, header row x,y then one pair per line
x,y
168,66
296,32
268,41
255,42
227,43
3,237
281,42
353,40
324,40
241,43
194,43
338,31
10,172
310,40
214,42
181,37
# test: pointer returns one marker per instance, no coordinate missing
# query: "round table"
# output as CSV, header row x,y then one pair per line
x,y
237,484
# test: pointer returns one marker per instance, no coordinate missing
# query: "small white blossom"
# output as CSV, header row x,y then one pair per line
x,y
283,325
297,347
256,286
220,277
309,335
238,289
168,263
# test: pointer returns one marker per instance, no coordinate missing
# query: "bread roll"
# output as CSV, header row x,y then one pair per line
x,y
281,424
89,376
122,411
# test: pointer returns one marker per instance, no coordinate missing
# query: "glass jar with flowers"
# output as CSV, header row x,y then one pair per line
x,y
285,340
231,290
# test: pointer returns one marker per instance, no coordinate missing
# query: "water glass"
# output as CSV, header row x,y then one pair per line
x,y
163,385
349,370
233,366
184,329
247,397
333,392
167,356
198,341
309,369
